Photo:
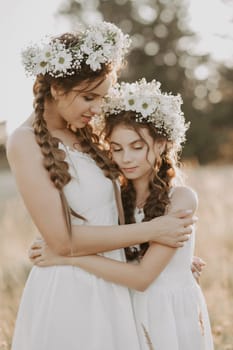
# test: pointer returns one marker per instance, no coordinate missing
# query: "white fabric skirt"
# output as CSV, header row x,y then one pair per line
x,y
174,319
66,308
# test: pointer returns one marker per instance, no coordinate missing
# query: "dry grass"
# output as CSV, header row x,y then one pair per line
x,y
214,244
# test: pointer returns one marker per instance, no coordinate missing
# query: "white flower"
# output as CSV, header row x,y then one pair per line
x,y
95,60
145,106
62,62
130,103
47,53
41,66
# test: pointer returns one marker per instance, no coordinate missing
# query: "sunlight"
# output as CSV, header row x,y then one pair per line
x,y
211,19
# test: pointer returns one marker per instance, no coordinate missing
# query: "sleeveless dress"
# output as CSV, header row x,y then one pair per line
x,y
66,308
172,310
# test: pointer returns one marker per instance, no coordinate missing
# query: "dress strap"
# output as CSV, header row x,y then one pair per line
x,y
27,127
119,203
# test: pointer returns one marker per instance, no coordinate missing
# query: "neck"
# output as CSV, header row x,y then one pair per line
x,y
53,119
141,187
58,127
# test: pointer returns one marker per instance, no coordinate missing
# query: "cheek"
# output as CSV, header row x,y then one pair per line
x,y
146,161
116,158
65,105
152,158
142,157
76,103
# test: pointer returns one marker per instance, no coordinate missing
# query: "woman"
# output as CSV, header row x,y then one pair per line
x,y
145,130
66,182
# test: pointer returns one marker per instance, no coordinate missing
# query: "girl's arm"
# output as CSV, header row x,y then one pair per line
x,y
43,202
138,276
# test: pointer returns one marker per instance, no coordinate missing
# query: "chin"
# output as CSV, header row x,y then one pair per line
x,y
131,176
81,126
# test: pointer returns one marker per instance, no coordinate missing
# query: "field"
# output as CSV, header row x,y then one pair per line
x,y
214,244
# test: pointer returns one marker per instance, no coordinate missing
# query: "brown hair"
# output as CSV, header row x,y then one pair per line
x,y
54,158
162,174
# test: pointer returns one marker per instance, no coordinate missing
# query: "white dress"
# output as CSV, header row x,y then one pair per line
x,y
66,308
172,310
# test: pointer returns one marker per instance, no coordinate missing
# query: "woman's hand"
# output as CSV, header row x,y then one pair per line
x,y
197,266
41,255
175,228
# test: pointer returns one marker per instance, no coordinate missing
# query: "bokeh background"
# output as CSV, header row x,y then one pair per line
x,y
188,46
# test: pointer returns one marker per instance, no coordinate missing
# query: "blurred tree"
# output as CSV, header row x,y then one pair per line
x,y
164,48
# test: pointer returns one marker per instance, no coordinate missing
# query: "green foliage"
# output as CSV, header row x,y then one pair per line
x,y
203,139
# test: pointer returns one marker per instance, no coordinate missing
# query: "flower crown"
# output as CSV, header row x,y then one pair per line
x,y
102,43
151,106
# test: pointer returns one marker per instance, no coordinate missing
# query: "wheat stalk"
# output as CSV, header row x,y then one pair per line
x,y
149,342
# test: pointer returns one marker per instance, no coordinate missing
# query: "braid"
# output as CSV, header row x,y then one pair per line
x,y
54,158
128,195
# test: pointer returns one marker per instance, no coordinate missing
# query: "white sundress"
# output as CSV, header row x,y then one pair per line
x,y
172,311
66,308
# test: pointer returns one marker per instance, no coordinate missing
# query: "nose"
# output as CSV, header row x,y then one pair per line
x,y
126,157
95,108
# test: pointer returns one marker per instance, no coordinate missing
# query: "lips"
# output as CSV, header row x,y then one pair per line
x,y
86,118
129,170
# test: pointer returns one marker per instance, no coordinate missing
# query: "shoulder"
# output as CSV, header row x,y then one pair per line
x,y
184,197
19,139
21,143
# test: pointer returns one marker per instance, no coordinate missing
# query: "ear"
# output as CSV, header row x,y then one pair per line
x,y
55,91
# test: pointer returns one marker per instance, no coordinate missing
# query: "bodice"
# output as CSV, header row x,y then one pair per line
x,y
89,193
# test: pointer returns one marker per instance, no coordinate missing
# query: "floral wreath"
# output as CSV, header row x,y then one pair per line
x,y
99,44
151,106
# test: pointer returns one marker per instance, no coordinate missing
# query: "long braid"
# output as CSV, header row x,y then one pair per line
x,y
54,158
128,195
129,201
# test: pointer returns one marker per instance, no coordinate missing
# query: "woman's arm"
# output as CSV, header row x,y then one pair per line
x,y
44,205
138,276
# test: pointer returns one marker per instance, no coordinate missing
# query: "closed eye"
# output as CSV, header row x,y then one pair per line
x,y
116,149
88,98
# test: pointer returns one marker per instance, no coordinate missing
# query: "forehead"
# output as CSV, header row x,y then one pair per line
x,y
126,134
98,86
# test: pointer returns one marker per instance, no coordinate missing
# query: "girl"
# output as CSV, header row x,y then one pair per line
x,y
145,130
61,171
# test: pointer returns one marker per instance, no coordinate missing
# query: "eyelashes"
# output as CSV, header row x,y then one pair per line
x,y
88,98
116,150
120,149
92,98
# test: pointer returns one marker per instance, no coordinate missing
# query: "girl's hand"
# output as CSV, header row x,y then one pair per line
x,y
197,266
175,228
41,255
